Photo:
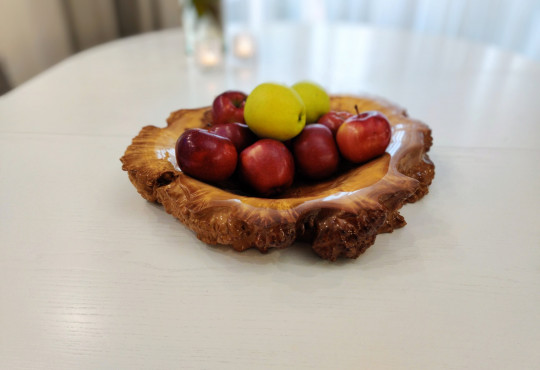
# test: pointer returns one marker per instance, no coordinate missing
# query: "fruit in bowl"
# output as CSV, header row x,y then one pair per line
x,y
316,153
275,111
228,107
315,98
267,167
240,135
333,120
364,136
338,216
206,156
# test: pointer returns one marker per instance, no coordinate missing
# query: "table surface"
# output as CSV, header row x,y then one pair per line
x,y
93,276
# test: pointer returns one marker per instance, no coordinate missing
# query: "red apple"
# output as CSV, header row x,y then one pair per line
x,y
334,119
267,166
206,156
228,107
315,152
364,136
239,133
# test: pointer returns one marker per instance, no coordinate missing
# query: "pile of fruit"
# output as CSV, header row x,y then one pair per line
x,y
276,133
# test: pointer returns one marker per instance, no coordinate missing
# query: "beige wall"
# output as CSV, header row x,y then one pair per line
x,y
36,34
33,36
91,22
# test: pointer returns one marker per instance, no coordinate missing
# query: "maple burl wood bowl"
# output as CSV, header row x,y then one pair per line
x,y
338,217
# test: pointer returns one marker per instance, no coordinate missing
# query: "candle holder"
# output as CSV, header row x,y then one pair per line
x,y
209,52
244,45
203,31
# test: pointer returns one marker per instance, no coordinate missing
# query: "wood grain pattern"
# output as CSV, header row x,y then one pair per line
x,y
339,217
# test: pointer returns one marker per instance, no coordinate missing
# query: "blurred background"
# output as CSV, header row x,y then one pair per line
x,y
36,34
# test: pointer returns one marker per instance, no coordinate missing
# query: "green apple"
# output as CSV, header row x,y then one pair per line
x,y
275,111
315,98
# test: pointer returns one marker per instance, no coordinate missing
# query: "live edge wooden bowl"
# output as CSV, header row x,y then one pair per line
x,y
339,217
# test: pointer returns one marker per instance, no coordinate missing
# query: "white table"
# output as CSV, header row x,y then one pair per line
x,y
94,277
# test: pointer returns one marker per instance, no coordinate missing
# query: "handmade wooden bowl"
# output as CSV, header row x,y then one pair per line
x,y
339,217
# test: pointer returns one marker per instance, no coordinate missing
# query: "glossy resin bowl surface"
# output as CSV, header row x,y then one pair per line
x,y
338,217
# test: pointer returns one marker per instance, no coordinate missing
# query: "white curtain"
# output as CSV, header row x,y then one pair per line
x,y
510,24
35,34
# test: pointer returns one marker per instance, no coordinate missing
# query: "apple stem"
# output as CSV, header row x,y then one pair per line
x,y
356,108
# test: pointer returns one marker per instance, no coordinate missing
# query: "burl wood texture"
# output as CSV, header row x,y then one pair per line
x,y
339,217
